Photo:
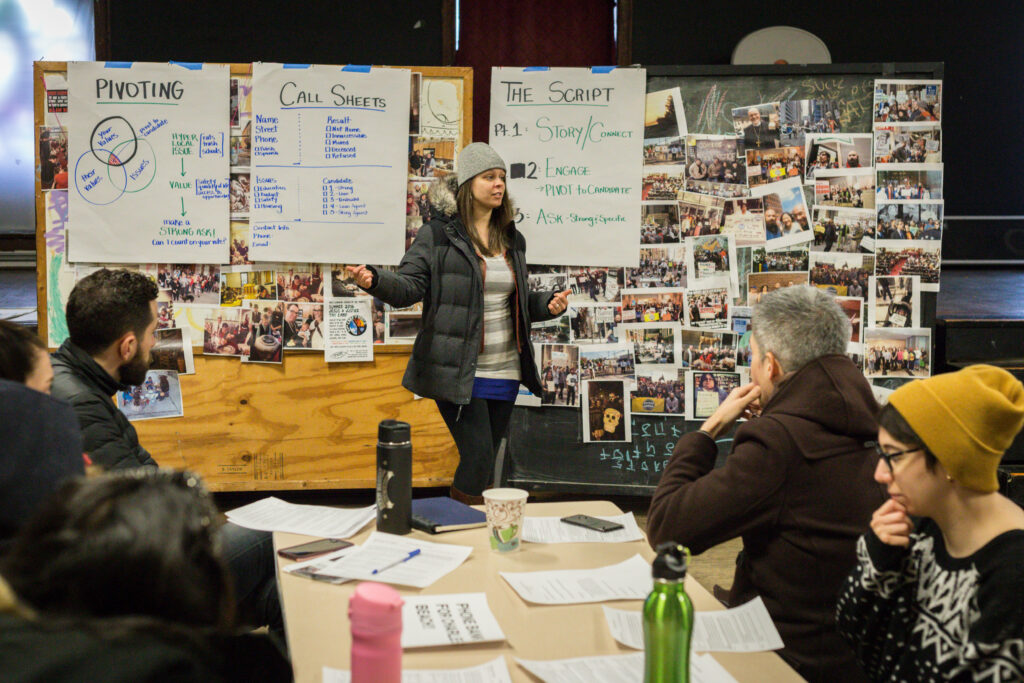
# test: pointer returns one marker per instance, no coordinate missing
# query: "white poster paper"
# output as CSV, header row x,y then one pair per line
x,y
573,143
148,162
457,619
349,336
329,148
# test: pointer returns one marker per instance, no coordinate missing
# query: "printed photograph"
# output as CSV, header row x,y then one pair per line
x,y
239,194
784,260
343,284
848,188
902,352
302,284
238,287
786,219
53,158
700,214
843,230
895,301
164,314
853,307
760,284
712,160
240,243
652,345
547,278
707,390
910,257
663,182
415,86
711,256
594,285
266,333
173,351
663,114
604,415
659,223
910,221
703,350
664,151
758,125
431,157
226,333
304,326
594,324
554,331
402,326
908,143
903,101
744,220
800,118
660,267
842,274
159,396
607,361
909,181
241,153
659,392
708,309
190,284
652,308
832,152
559,374
744,267
773,165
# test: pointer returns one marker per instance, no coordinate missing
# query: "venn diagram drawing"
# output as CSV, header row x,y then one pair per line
x,y
118,162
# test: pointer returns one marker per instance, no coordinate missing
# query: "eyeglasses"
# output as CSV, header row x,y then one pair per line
x,y
888,457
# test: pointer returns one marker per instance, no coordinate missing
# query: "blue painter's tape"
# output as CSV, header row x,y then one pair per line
x,y
295,66
118,65
602,69
358,68
536,68
194,66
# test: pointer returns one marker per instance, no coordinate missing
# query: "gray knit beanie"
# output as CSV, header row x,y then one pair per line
x,y
475,158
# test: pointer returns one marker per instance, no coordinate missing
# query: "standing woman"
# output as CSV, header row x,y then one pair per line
x,y
938,591
468,266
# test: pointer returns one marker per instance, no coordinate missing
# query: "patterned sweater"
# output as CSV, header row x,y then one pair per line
x,y
919,614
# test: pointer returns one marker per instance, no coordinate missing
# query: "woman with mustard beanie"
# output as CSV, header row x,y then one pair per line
x,y
938,592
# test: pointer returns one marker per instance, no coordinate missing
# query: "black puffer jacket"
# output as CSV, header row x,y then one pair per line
x,y
109,438
443,270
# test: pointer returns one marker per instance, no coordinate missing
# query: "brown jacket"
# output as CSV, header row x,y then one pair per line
x,y
798,487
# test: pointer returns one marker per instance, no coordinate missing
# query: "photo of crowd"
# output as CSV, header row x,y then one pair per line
x,y
607,361
830,152
604,415
652,345
897,352
773,165
897,181
759,284
301,285
663,182
842,274
895,301
593,285
910,257
758,125
907,101
710,256
783,260
714,351
190,284
652,308
712,160
915,221
700,215
559,374
708,308
238,287
847,188
908,144
664,151
707,390
554,331
594,324
53,158
158,396
659,223
239,194
659,392
660,267
799,118
841,229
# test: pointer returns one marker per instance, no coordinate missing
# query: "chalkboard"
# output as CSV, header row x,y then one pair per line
x,y
546,449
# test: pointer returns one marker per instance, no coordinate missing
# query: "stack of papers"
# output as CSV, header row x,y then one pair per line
x,y
554,530
274,514
617,669
494,671
747,628
390,556
628,580
457,619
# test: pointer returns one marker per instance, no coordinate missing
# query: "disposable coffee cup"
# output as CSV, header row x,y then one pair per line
x,y
505,510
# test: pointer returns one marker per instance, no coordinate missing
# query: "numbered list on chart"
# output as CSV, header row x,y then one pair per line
x,y
329,157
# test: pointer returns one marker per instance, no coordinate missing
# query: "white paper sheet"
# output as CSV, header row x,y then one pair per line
x,y
315,568
617,669
148,163
329,157
494,671
349,332
573,142
627,580
455,619
747,628
380,550
274,514
554,530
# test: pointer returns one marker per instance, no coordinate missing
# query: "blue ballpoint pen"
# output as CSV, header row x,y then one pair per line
x,y
411,555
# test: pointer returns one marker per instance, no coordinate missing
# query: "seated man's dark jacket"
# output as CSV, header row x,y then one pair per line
x,y
108,437
798,488
41,447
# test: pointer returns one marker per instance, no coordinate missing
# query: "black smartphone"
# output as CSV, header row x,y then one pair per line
x,y
307,551
588,522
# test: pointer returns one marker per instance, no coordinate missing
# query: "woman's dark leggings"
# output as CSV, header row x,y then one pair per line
x,y
477,432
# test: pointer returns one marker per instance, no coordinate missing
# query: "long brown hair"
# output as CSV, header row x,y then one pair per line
x,y
499,236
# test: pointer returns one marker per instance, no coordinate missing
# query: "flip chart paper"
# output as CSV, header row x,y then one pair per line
x,y
573,144
148,163
329,156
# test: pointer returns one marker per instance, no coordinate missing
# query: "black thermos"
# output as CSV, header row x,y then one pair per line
x,y
394,477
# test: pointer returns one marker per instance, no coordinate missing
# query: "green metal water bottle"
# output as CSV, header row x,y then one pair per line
x,y
668,618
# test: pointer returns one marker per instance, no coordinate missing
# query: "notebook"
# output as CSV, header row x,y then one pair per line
x,y
440,514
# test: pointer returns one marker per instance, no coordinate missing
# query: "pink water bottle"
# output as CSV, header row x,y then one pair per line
x,y
375,614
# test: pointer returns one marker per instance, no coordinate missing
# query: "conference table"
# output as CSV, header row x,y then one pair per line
x,y
316,613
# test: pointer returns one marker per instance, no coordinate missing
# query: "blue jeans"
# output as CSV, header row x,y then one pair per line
x,y
249,555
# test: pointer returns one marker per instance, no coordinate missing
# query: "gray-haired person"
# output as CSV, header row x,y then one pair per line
x,y
797,485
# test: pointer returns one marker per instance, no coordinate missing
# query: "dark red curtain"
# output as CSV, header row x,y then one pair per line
x,y
530,33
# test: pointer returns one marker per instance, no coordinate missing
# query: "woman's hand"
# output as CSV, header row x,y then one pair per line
x,y
892,524
559,302
362,275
